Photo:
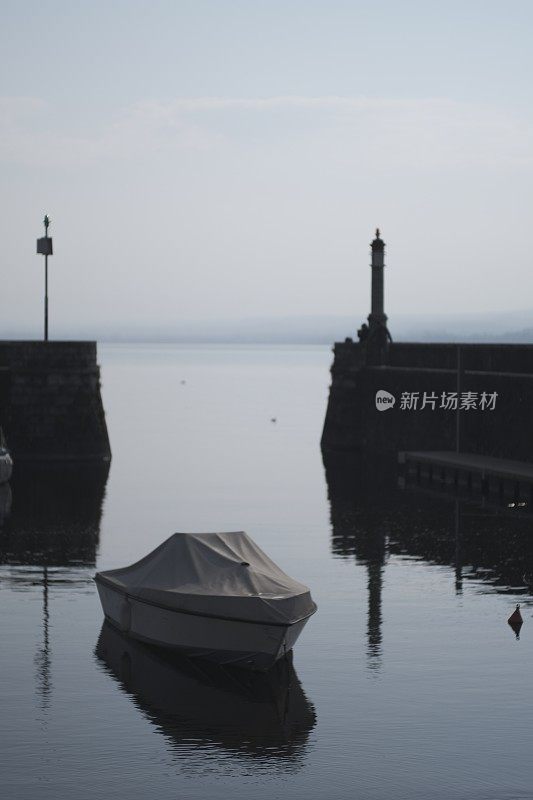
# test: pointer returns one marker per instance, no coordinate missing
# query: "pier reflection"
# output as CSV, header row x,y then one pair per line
x,y
374,519
49,537
55,515
263,716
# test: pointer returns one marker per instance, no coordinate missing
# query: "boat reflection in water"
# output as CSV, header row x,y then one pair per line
x,y
5,503
263,716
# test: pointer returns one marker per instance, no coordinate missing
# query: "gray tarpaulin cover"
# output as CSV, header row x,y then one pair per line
x,y
220,574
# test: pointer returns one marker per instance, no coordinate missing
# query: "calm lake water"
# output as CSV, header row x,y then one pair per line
x,y
408,682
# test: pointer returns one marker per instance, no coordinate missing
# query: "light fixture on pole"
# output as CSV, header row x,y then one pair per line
x,y
44,247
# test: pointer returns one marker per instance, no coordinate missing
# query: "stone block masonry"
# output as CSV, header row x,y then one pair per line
x,y
50,402
354,424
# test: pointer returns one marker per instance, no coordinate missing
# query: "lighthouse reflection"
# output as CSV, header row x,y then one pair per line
x,y
367,543
358,534
374,520
266,717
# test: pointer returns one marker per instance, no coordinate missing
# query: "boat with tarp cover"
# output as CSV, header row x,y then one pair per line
x,y
209,595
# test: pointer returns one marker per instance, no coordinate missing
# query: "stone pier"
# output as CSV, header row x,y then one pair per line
x,y
50,402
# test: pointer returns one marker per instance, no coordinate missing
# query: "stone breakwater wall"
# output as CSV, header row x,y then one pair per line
x,y
50,401
354,424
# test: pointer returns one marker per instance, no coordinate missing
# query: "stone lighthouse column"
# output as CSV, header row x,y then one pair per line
x,y
376,337
377,316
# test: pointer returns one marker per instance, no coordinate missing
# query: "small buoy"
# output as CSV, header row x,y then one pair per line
x,y
516,621
183,383
273,419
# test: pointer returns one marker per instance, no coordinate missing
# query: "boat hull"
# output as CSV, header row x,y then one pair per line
x,y
251,645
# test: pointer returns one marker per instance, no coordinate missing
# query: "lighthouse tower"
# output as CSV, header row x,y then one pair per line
x,y
375,336
377,317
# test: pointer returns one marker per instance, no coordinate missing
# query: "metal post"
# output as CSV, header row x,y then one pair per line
x,y
458,412
46,298
458,554
44,246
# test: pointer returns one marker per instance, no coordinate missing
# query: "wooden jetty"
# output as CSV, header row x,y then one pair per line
x,y
476,473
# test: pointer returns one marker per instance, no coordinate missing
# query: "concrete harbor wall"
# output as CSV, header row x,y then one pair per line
x,y
50,401
354,424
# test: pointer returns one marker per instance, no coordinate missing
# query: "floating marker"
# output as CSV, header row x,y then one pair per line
x,y
516,621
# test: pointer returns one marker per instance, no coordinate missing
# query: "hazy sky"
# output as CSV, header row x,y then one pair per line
x,y
219,159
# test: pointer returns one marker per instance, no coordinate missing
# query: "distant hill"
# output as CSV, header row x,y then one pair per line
x,y
498,327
